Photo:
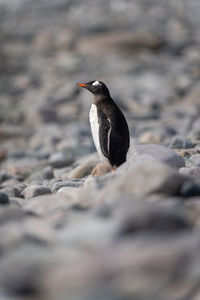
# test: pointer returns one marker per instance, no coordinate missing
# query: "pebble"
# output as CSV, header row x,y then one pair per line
x,y
193,172
75,229
190,189
46,173
66,183
82,170
179,142
4,199
11,191
4,176
195,159
60,160
34,191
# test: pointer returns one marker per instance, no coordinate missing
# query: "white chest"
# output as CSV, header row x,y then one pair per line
x,y
94,124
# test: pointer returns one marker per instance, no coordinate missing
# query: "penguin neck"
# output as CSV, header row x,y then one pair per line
x,y
101,98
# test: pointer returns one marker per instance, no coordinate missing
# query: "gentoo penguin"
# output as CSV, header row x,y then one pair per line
x,y
108,125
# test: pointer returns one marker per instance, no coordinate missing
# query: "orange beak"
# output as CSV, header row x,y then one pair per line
x,y
81,84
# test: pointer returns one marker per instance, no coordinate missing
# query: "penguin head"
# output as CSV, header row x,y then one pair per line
x,y
95,87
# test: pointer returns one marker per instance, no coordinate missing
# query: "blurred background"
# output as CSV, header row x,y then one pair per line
x,y
146,51
148,54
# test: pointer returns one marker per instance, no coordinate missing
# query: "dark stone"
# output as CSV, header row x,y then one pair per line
x,y
11,191
4,176
3,198
67,183
179,142
190,189
35,190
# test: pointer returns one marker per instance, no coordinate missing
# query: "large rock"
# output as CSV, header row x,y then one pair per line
x,y
154,152
141,217
143,178
46,204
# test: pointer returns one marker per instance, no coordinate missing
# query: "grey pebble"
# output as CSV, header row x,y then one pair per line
x,y
35,190
67,183
11,191
4,199
60,160
195,159
46,173
4,176
179,142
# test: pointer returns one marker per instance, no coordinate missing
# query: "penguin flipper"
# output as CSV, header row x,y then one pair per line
x,y
105,129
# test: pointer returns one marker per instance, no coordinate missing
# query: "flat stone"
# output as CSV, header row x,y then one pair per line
x,y
82,170
11,214
46,173
66,183
35,190
61,159
46,204
143,178
135,217
159,153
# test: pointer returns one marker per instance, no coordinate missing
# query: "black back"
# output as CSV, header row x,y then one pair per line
x,y
112,126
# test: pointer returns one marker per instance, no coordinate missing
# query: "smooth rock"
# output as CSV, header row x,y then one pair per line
x,y
35,190
193,172
101,169
11,214
46,173
143,178
66,183
21,187
190,189
4,199
82,170
61,159
11,191
4,176
157,152
178,142
147,217
46,204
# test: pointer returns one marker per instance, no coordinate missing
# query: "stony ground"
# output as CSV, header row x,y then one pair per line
x,y
65,234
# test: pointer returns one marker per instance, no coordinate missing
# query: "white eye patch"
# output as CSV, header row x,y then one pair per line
x,y
96,83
